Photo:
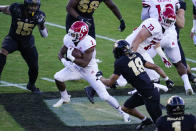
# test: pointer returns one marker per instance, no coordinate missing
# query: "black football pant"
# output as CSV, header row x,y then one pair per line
x,y
152,103
28,52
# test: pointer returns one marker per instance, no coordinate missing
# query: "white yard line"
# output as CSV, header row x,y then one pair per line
x,y
13,84
48,79
98,109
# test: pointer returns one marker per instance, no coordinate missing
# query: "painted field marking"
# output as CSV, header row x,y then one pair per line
x,y
48,79
13,84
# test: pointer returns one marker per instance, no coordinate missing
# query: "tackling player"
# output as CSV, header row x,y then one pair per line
x,y
24,19
176,119
131,66
84,67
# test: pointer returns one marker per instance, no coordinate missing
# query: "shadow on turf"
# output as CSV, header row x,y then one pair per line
x,y
30,111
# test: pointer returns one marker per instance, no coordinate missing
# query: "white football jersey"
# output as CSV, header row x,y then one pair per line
x,y
154,27
86,43
156,6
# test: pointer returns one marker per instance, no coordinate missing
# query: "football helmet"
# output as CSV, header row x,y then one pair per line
x,y
175,106
168,18
121,48
32,6
78,31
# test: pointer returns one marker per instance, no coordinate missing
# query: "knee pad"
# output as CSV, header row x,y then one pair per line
x,y
58,77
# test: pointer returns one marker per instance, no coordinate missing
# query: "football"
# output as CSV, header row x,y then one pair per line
x,y
77,53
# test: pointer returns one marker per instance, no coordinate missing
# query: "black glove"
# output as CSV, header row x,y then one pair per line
x,y
39,18
114,86
86,20
99,74
169,83
122,25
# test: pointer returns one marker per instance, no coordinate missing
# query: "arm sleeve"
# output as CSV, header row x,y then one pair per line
x,y
117,69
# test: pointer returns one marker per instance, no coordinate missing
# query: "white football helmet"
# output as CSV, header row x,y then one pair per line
x,y
168,18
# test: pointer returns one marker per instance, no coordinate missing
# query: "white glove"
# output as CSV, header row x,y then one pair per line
x,y
65,62
69,54
166,62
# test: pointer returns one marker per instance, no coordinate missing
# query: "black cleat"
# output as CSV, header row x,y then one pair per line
x,y
192,78
144,123
90,93
33,89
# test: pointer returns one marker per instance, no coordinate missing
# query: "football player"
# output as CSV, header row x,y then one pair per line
x,y
83,10
176,119
24,19
152,9
84,67
131,66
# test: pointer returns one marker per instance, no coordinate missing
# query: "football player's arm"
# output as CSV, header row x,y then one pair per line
x,y
156,68
109,82
141,36
110,4
85,60
72,4
62,52
180,19
5,9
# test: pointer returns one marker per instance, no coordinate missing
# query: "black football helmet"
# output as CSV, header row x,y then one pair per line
x,y
175,106
32,6
121,48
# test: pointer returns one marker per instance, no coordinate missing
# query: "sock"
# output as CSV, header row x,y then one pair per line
x,y
113,102
187,84
144,118
64,93
2,62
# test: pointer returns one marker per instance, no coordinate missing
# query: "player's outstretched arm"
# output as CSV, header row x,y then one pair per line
x,y
71,8
109,82
5,9
110,4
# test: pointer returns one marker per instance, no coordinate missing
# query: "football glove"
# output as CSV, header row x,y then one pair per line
x,y
122,25
40,18
166,62
69,54
114,86
169,83
65,62
99,74
86,20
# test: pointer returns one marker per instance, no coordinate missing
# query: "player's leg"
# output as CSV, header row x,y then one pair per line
x,y
100,89
66,74
30,55
8,46
130,108
152,103
175,57
190,75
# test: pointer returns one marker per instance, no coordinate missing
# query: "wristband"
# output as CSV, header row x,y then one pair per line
x,y
166,78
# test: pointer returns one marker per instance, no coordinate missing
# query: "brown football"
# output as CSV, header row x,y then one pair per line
x,y
77,53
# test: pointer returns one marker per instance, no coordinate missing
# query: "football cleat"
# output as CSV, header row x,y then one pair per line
x,y
189,92
90,93
62,101
126,117
144,123
33,89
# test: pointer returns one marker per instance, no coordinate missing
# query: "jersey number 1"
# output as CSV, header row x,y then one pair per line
x,y
177,125
137,66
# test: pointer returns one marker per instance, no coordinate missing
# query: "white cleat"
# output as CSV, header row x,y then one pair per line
x,y
126,117
189,92
62,101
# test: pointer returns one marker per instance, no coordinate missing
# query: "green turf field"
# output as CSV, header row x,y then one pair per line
x,y
20,110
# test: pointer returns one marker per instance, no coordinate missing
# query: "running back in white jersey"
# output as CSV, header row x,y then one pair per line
x,y
86,43
194,2
156,6
154,27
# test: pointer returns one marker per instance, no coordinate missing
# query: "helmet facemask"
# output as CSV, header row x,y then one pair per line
x,y
168,18
32,6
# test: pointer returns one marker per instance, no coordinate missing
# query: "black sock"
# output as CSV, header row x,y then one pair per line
x,y
2,62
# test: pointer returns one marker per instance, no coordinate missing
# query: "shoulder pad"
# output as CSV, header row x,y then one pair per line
x,y
15,10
